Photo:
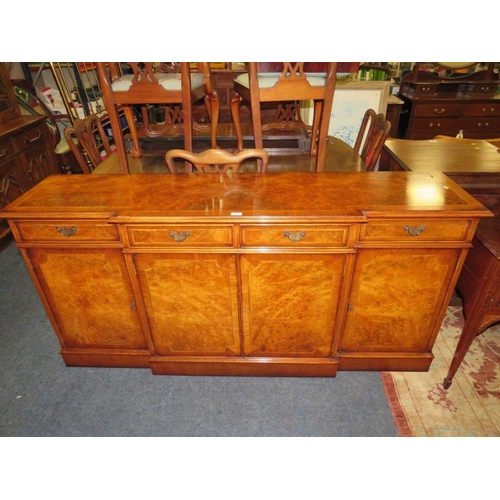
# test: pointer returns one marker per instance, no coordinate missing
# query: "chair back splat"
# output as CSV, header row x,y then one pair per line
x,y
287,84
88,142
143,84
374,131
214,161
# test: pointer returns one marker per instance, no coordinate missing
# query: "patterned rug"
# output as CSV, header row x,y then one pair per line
x,y
470,407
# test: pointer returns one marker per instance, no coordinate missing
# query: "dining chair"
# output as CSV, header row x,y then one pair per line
x,y
177,89
88,142
214,161
287,83
374,131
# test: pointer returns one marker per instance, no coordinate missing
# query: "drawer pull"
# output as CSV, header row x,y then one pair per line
x,y
178,236
439,111
66,231
294,235
26,140
414,230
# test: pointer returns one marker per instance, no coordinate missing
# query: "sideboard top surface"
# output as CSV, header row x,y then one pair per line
x,y
245,196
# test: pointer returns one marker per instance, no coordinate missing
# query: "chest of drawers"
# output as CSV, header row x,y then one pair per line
x,y
279,274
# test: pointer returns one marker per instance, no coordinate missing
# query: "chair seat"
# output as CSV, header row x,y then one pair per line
x,y
269,80
169,81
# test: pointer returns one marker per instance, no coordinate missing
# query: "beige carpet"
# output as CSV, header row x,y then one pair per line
x,y
470,407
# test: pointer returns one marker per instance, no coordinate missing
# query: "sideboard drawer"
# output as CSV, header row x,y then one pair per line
x,y
485,109
67,231
439,109
487,125
437,125
34,137
205,235
414,230
298,236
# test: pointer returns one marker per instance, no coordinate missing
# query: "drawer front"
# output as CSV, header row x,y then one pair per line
x,y
485,126
426,88
437,125
67,231
7,149
34,138
486,109
295,236
414,230
439,109
180,235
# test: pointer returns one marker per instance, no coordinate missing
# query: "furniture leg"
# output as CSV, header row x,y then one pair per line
x,y
129,115
118,136
235,113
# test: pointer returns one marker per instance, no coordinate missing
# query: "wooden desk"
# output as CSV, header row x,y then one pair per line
x,y
470,163
475,165
340,157
289,274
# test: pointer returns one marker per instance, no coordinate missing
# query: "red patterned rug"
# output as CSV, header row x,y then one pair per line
x,y
470,407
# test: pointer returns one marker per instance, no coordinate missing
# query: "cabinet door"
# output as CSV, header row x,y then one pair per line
x,y
191,302
396,298
290,303
12,182
89,294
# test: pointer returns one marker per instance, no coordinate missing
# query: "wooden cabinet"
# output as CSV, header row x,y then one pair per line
x,y
288,274
26,151
443,106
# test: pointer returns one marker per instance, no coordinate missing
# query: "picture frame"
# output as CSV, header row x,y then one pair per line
x,y
350,102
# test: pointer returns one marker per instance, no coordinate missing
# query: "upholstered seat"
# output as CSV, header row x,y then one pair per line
x,y
169,81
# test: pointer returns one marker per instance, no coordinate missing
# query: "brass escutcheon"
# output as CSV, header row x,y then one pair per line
x,y
66,231
179,236
414,230
294,235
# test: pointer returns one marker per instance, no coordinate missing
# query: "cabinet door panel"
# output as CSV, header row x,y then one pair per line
x,y
191,302
395,299
290,303
89,294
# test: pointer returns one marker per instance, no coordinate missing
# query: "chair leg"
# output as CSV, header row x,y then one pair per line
x,y
323,132
235,113
318,106
136,149
116,127
214,106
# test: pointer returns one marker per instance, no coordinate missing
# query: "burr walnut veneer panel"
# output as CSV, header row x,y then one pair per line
x,y
289,274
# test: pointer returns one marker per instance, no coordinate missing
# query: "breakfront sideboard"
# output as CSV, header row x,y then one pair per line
x,y
434,105
276,274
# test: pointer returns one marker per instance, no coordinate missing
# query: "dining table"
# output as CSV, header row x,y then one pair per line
x,y
473,164
340,157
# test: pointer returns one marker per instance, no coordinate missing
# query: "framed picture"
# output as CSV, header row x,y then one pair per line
x,y
350,102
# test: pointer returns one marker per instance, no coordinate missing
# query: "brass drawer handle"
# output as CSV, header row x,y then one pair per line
x,y
178,236
294,235
26,140
414,230
66,231
439,111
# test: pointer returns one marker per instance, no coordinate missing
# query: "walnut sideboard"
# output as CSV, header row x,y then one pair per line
x,y
276,274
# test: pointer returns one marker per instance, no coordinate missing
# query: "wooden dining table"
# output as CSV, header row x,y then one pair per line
x,y
470,163
340,157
